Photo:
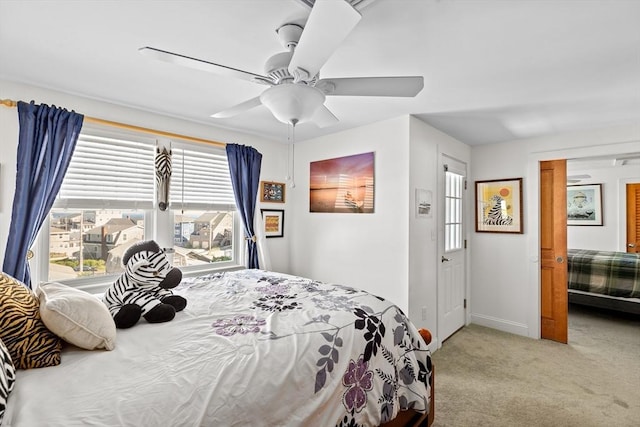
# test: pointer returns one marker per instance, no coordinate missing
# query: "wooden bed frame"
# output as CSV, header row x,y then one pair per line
x,y
412,418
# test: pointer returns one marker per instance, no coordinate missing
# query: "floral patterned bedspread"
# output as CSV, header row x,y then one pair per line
x,y
252,348
348,358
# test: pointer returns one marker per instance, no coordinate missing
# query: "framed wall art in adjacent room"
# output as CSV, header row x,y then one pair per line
x,y
584,204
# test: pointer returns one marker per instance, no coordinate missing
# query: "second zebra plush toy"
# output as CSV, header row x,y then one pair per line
x,y
144,289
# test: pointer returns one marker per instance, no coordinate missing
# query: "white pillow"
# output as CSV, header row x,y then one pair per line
x,y
76,316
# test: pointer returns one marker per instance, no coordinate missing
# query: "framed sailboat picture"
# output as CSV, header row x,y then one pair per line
x,y
584,204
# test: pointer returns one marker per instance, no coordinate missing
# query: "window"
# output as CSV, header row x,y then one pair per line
x,y
107,202
203,207
454,185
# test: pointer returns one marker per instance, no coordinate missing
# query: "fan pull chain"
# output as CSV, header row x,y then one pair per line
x,y
290,154
182,187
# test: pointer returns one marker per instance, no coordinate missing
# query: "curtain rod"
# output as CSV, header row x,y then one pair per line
x,y
88,119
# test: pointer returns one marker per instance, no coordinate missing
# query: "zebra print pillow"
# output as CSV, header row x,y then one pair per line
x,y
30,343
7,377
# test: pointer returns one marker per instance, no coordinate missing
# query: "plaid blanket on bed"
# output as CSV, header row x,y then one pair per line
x,y
610,273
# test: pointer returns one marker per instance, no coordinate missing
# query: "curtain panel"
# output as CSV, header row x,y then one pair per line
x,y
46,140
244,168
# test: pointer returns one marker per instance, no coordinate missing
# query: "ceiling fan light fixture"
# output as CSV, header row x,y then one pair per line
x,y
292,103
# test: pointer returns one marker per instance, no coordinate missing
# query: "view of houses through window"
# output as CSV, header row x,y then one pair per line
x,y
202,237
92,242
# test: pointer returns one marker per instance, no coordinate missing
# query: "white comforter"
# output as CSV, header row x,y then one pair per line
x,y
252,348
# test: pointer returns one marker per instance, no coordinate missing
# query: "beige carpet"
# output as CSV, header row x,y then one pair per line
x,y
486,377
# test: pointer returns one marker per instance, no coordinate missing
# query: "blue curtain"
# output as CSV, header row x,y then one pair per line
x,y
46,142
244,166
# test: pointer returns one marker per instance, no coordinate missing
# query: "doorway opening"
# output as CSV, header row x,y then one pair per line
x,y
621,214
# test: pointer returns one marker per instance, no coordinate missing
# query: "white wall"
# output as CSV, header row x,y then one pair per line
x,y
390,253
368,251
426,234
423,232
611,236
504,268
498,291
273,161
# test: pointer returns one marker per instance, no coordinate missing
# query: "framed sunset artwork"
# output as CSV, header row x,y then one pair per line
x,y
342,185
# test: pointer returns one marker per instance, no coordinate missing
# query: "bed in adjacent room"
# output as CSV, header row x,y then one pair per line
x,y
252,348
605,279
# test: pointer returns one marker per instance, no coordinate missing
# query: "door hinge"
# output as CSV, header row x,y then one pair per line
x,y
465,303
465,184
465,243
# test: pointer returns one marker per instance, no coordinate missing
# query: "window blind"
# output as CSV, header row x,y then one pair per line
x,y
109,172
200,180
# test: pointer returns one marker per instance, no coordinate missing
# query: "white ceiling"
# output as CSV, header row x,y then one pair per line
x,y
494,70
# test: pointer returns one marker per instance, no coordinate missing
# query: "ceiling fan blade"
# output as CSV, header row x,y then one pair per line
x,y
329,23
372,86
323,117
200,64
237,109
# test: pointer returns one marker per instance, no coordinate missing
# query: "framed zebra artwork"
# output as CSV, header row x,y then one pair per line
x,y
499,206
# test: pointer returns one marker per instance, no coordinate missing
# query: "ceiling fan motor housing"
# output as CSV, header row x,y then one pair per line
x,y
276,67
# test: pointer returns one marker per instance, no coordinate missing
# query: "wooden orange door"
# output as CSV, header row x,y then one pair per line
x,y
633,218
553,250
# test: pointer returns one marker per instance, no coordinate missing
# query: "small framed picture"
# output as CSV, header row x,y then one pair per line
x,y
499,206
584,204
423,203
272,192
273,220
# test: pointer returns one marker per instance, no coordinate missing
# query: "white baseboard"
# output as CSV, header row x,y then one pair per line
x,y
500,324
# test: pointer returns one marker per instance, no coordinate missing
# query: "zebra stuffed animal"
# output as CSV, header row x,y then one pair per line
x,y
144,288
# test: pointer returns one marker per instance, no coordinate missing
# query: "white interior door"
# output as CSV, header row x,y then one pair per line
x,y
452,248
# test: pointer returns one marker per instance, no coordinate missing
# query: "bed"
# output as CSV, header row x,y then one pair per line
x,y
605,279
252,348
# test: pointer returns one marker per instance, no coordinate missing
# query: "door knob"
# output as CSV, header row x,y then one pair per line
x,y
559,260
445,259
632,245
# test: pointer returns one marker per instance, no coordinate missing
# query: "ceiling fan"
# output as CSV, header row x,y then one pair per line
x,y
296,93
